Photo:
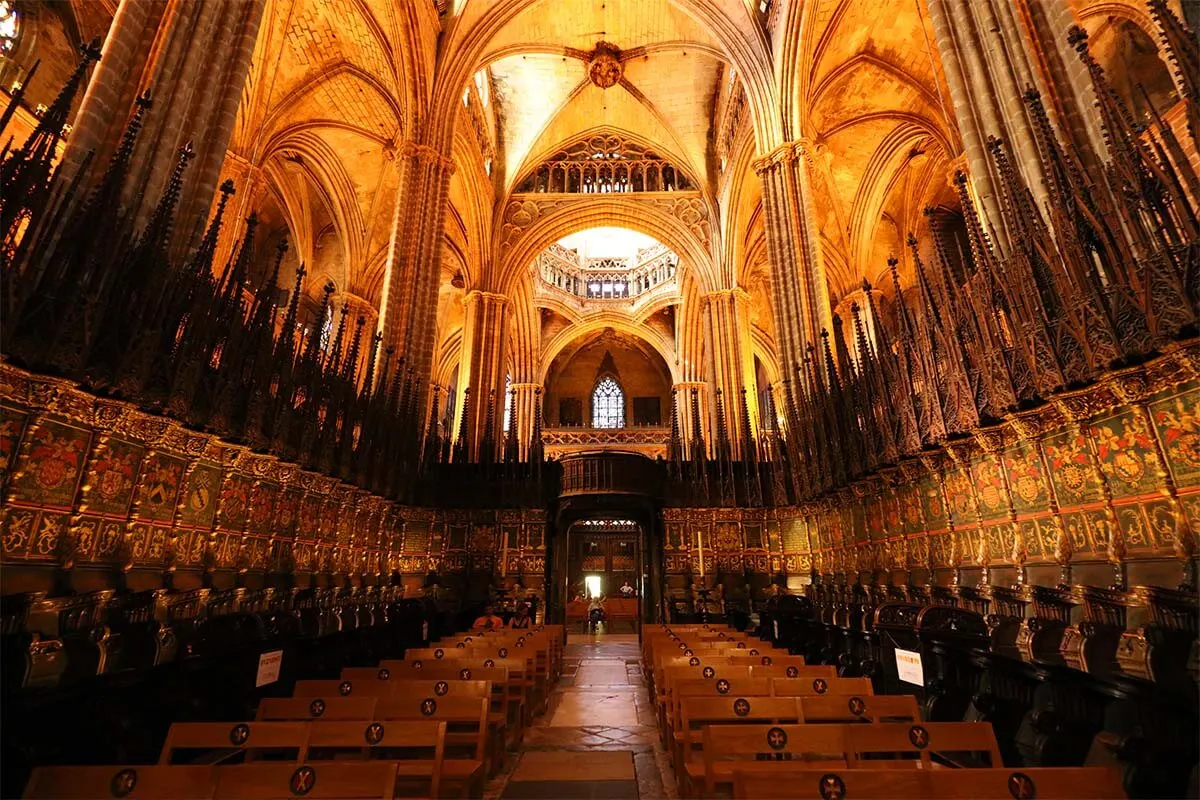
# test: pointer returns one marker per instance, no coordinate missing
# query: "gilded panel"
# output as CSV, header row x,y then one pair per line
x,y
795,535
112,475
48,473
989,487
728,537
931,502
234,510
12,426
908,496
287,513
158,487
1026,478
1071,468
1031,539
1125,452
1177,423
1134,527
198,505
261,511
959,495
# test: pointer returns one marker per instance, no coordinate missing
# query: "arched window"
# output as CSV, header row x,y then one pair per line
x,y
608,404
10,26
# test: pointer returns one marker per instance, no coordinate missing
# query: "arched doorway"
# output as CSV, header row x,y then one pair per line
x,y
605,558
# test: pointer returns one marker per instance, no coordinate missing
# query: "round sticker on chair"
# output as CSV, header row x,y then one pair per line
x,y
708,672
429,706
820,686
721,635
741,707
239,734
502,652
460,645
776,738
316,708
687,652
753,651
831,787
464,674
520,642
123,783
344,688
439,653
374,733
303,780
918,736
384,674
416,664
469,639
441,688
766,661
683,645
723,686
489,663
1021,786
693,661
856,706
793,672
741,645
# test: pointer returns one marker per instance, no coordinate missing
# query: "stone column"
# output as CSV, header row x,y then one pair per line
x,y
194,59
732,358
799,293
482,368
410,287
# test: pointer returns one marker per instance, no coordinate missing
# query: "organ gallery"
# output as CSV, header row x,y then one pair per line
x,y
647,398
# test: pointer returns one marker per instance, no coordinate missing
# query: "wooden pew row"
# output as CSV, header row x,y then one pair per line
x,y
1044,783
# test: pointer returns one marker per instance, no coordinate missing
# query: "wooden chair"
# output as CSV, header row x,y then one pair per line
x,y
787,668
860,708
375,780
709,687
784,781
508,691
422,743
1044,783
766,749
339,687
136,782
222,740
309,708
960,744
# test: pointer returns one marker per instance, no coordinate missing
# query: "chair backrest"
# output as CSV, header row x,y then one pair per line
x,y
767,658
819,685
461,711
860,708
698,713
789,668
310,708
420,741
355,780
905,744
442,670
793,783
430,687
341,687
220,737
180,782
364,673
1044,783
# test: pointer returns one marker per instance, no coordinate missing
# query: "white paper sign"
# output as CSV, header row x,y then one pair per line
x,y
908,667
777,630
268,668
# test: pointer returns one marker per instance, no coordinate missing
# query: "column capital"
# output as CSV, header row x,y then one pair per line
x,y
786,153
405,148
686,385
736,292
526,386
479,294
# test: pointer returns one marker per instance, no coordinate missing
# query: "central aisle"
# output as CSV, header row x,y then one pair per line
x,y
597,738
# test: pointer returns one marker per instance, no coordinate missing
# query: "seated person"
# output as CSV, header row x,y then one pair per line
x,y
596,610
521,618
488,621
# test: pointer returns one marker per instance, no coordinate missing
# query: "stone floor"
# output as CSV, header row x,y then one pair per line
x,y
597,738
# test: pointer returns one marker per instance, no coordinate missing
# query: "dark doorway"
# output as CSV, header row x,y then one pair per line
x,y
605,560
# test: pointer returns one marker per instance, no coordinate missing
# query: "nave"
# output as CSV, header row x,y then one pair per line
x,y
693,711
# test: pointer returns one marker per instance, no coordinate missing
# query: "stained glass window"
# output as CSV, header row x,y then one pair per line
x,y
10,26
608,404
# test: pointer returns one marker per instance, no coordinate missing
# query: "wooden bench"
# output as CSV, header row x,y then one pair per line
x,y
888,745
223,740
860,708
754,748
698,714
466,718
181,782
375,780
422,743
1043,783
804,687
280,709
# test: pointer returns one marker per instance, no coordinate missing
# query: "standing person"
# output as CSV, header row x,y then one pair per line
x,y
488,621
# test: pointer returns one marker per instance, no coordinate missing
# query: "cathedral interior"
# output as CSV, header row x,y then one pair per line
x,y
738,343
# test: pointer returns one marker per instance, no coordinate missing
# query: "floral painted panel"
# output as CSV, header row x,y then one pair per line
x,y
261,513
12,426
989,487
234,510
49,473
909,498
1124,449
1177,421
158,487
1070,463
111,478
199,502
931,502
